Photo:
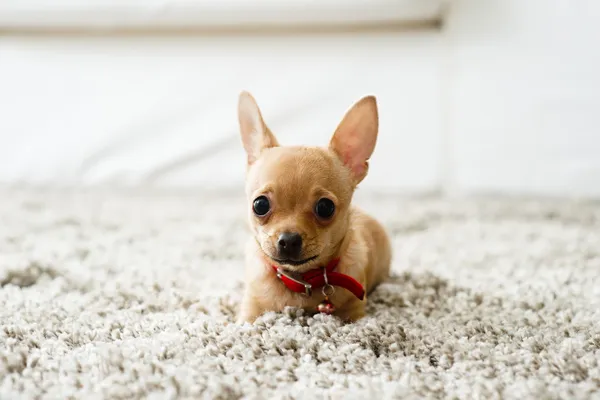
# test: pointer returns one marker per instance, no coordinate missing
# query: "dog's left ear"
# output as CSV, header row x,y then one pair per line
x,y
256,136
355,137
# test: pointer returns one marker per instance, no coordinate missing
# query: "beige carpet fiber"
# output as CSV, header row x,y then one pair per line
x,y
128,295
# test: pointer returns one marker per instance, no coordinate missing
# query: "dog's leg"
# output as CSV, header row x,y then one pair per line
x,y
353,310
250,309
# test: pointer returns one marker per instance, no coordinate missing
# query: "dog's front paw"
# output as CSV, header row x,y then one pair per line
x,y
249,311
353,317
242,319
352,312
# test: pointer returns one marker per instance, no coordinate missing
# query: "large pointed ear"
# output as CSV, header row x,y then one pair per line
x,y
255,135
355,137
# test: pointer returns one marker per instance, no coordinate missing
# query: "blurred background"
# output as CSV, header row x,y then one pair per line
x,y
475,96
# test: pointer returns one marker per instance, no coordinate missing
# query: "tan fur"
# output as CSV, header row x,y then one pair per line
x,y
294,179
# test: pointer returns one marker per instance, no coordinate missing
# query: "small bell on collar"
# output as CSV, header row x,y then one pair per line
x,y
326,306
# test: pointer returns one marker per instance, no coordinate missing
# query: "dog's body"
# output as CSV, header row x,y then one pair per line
x,y
301,214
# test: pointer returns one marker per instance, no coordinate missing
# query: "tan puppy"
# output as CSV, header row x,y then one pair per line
x,y
302,220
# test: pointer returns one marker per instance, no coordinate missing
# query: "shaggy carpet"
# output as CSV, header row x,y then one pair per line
x,y
127,295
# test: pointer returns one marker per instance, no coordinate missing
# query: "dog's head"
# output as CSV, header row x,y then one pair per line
x,y
299,197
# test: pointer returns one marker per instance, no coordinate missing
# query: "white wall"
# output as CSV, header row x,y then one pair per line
x,y
524,104
162,110
503,99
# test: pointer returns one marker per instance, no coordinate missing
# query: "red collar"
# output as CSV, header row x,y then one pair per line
x,y
304,283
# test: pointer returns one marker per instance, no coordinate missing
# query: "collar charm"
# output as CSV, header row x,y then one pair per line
x,y
326,306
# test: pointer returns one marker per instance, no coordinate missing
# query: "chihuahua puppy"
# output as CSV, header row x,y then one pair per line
x,y
310,248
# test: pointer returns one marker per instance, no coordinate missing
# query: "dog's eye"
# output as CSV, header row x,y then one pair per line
x,y
324,208
261,206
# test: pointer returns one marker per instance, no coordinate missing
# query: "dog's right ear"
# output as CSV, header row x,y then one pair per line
x,y
256,136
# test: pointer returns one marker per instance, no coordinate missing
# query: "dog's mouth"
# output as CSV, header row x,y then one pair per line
x,y
295,263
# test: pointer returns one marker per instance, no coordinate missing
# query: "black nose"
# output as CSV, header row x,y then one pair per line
x,y
289,245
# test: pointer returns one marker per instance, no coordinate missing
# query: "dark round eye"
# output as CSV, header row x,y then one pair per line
x,y
324,208
261,206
